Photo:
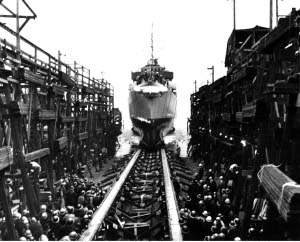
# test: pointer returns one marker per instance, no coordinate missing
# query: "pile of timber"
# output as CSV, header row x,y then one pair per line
x,y
26,75
282,191
6,157
61,143
46,114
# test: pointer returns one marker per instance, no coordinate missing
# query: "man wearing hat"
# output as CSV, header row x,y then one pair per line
x,y
227,210
27,234
207,225
185,232
54,227
18,222
193,225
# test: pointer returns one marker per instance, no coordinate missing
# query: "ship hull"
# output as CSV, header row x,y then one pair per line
x,y
152,115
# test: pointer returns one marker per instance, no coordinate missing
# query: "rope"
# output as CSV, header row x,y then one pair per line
x,y
260,172
287,184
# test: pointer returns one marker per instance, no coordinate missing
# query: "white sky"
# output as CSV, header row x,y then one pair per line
x,y
113,36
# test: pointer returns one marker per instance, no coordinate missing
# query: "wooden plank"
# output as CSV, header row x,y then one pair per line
x,y
172,208
6,157
45,114
36,154
26,75
61,143
67,119
83,136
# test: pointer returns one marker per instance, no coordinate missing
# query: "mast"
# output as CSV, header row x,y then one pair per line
x,y
152,43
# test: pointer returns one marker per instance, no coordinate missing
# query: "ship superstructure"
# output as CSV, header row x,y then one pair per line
x,y
152,103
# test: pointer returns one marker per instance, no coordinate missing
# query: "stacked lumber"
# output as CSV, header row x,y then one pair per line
x,y
36,154
45,114
6,157
67,119
26,75
83,136
282,191
61,143
58,90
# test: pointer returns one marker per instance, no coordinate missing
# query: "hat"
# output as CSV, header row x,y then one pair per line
x,y
25,220
79,206
201,219
70,209
55,213
22,239
43,208
73,235
63,211
205,213
208,219
182,221
17,215
232,224
185,229
28,233
33,220
44,215
25,212
55,219
70,221
237,239
188,199
207,238
8,181
90,212
227,201
193,214
186,215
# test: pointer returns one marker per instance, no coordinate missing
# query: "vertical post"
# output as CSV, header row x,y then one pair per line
x,y
18,31
271,14
276,12
59,64
234,14
212,73
195,82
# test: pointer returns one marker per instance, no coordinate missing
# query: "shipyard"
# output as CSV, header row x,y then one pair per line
x,y
162,129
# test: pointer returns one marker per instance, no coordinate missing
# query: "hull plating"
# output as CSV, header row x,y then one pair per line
x,y
152,115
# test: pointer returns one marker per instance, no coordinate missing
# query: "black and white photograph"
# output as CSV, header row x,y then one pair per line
x,y
150,120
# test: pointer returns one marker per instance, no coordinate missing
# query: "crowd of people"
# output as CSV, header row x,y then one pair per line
x,y
66,218
207,212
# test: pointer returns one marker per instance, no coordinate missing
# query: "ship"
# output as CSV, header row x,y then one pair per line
x,y
152,103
